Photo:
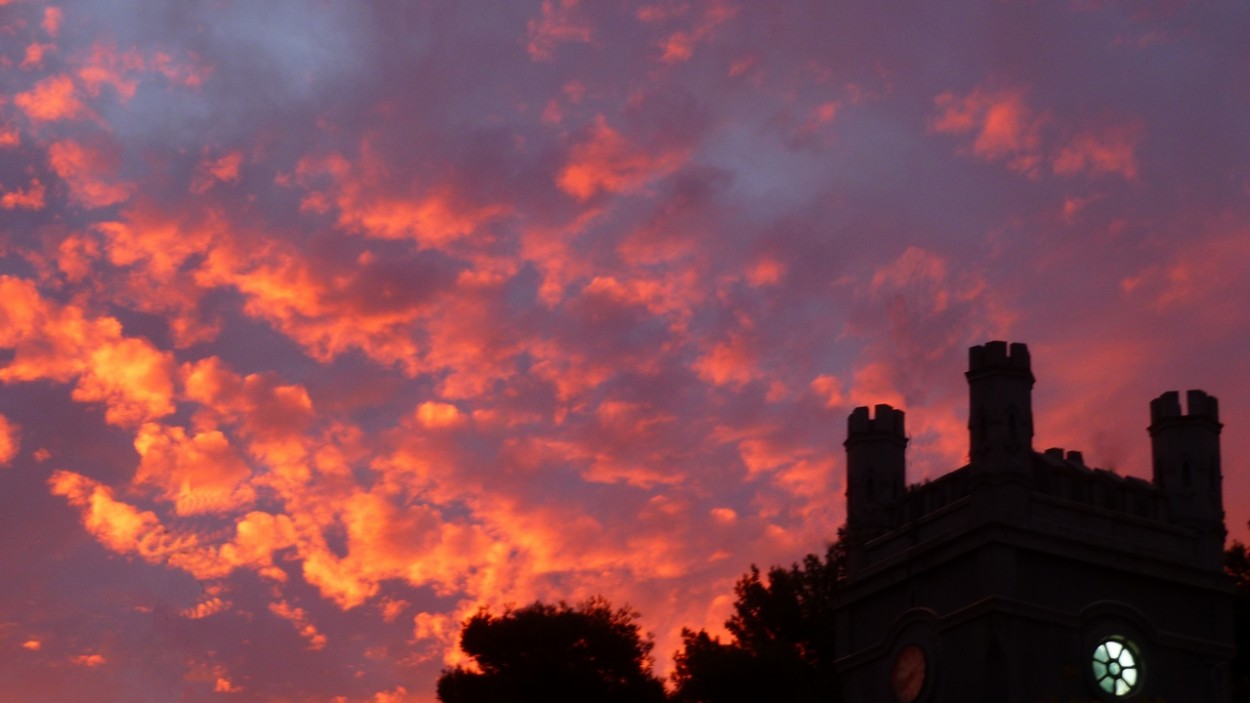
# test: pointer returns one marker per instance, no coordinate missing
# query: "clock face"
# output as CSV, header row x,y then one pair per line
x,y
907,676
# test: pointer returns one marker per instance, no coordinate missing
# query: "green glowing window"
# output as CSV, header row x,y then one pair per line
x,y
1116,667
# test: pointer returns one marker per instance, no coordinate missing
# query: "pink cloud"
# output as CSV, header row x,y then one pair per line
x,y
560,22
52,17
1109,151
53,98
35,53
1000,122
729,362
680,45
32,198
223,169
606,162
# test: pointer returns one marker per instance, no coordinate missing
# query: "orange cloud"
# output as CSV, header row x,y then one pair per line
x,y
257,400
605,161
33,645
1002,124
1108,151
606,468
89,660
383,542
29,199
199,474
129,375
118,526
435,216
320,313
125,529
132,377
205,608
299,618
434,219
433,415
53,98
257,537
160,243
10,440
9,136
397,695
89,172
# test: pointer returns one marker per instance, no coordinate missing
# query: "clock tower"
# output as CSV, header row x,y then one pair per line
x,y
1030,577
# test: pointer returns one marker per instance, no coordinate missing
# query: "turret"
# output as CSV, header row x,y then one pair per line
x,y
1186,454
1000,418
876,468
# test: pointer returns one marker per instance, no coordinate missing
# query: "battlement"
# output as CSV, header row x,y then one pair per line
x,y
997,355
1004,475
1200,405
886,420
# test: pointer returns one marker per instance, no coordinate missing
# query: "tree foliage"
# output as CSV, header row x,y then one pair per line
x,y
540,652
783,638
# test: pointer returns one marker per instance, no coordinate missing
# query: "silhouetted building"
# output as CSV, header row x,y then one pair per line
x,y
1029,576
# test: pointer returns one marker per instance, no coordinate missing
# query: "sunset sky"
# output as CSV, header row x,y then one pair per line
x,y
323,324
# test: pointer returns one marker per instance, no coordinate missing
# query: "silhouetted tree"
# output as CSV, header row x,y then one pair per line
x,y
783,638
554,653
1237,564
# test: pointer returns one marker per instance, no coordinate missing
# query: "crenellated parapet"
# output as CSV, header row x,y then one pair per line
x,y
1167,408
886,420
1005,476
999,356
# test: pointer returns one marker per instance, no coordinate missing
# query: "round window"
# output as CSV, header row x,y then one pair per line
x,y
1117,669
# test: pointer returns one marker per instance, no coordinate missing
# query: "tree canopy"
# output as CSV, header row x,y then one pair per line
x,y
587,652
783,638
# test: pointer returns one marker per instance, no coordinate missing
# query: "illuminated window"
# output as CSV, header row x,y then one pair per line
x,y
1116,668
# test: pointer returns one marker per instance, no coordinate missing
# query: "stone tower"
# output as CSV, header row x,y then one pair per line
x,y
1186,452
1000,418
875,468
